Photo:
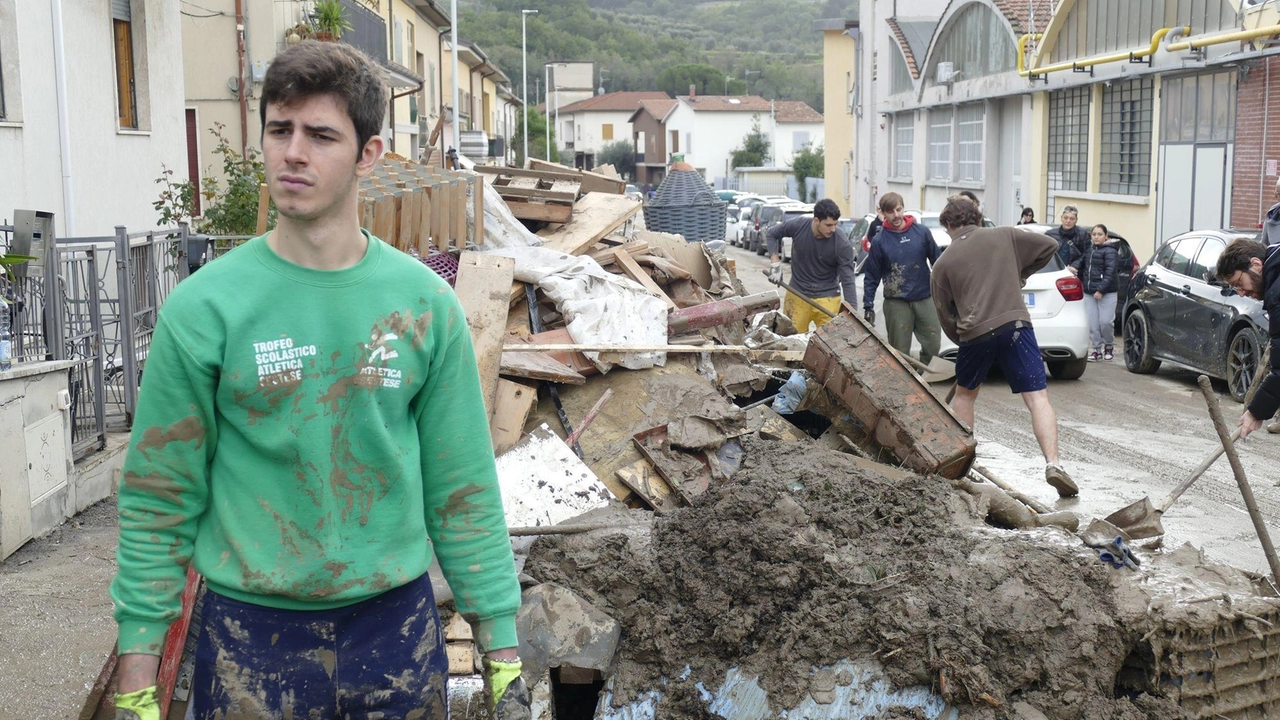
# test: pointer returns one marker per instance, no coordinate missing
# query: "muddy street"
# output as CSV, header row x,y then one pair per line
x,y
1123,436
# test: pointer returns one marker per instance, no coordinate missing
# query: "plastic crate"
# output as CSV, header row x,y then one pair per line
x,y
442,264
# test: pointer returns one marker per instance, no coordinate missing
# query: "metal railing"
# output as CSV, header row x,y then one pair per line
x,y
96,302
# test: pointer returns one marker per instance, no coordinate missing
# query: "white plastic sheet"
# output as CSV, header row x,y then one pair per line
x,y
600,308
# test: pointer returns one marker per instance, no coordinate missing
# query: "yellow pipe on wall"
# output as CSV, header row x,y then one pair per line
x,y
1101,59
1022,51
1238,36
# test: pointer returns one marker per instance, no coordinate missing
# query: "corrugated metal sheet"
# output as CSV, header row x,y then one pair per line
x,y
868,694
120,10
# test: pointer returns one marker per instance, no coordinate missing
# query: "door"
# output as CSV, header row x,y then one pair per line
x,y
1202,312
1176,284
1208,179
1158,295
1197,140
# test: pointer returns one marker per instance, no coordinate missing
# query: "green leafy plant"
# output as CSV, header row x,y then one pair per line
x,y
8,261
755,147
808,163
329,18
621,155
230,202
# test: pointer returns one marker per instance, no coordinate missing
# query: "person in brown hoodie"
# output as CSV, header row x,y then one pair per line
x,y
977,290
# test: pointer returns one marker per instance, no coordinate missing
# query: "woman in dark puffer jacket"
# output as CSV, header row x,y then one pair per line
x,y
1096,269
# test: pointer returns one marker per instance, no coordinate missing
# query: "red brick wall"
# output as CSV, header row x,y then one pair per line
x,y
1257,140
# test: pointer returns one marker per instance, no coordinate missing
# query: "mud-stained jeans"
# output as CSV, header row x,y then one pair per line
x,y
380,658
902,318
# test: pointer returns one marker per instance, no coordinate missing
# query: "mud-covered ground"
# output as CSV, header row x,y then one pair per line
x,y
805,558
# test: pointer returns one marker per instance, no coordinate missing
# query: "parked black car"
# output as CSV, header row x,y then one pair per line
x,y
1180,313
766,216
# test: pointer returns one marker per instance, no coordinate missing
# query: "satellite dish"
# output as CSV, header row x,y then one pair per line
x,y
600,91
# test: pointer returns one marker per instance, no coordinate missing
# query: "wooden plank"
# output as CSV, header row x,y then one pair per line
x,y
459,214
486,310
514,404
404,219
552,175
575,360
633,248
518,321
477,209
635,272
591,182
644,480
462,659
789,355
542,212
511,191
457,629
594,216
520,184
539,366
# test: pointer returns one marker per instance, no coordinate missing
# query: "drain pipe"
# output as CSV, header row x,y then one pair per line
x,y
64,122
1266,121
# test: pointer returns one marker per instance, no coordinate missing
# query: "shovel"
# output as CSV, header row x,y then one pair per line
x,y
938,369
1141,519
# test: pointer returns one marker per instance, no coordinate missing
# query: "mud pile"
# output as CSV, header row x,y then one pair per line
x,y
806,558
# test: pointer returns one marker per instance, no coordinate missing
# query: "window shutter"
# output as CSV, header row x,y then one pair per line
x,y
120,10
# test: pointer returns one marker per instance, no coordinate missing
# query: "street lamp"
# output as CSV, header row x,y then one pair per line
x,y
546,106
727,78
524,74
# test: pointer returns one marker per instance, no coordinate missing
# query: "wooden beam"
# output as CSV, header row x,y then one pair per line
x,y
512,190
478,274
591,182
776,355
594,216
513,404
477,209
635,272
633,248
543,212
539,366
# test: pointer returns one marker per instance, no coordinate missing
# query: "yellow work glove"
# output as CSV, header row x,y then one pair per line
x,y
508,697
138,705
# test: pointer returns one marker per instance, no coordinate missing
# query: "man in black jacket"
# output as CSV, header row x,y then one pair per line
x,y
1072,239
1253,270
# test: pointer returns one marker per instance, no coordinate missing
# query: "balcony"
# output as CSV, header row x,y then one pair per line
x,y
368,31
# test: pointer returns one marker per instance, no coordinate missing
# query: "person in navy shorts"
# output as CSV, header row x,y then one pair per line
x,y
977,289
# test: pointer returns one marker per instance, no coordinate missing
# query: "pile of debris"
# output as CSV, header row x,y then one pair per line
x,y
715,516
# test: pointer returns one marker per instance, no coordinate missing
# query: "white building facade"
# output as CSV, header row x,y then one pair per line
x,y
91,111
595,122
711,127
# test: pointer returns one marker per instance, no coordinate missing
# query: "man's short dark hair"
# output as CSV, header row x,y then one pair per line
x,y
889,201
326,68
1238,257
959,212
826,209
971,196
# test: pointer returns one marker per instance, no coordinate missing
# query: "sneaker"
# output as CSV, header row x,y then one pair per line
x,y
1061,481
1095,356
1109,353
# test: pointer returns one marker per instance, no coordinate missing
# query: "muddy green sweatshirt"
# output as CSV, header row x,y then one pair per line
x,y
306,438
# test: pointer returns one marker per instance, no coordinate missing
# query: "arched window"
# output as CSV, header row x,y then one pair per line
x,y
977,42
1096,27
900,75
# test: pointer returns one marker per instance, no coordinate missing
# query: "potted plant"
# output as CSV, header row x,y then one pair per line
x,y
297,33
328,20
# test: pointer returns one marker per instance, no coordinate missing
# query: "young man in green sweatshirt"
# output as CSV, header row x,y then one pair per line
x,y
309,429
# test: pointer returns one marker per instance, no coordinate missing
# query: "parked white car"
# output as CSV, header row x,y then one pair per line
x,y
1055,301
789,213
930,221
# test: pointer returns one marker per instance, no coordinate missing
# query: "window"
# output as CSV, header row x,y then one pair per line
x,y
1186,249
904,136
970,136
1094,27
10,94
606,131
1199,108
799,140
433,88
1126,137
899,73
977,42
940,144
675,141
397,48
126,83
1068,143
1206,263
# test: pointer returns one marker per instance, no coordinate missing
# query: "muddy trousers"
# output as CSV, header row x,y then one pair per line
x,y
902,318
802,313
1102,317
380,658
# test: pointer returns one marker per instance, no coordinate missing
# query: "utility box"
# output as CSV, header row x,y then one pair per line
x,y
32,235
